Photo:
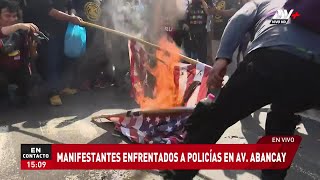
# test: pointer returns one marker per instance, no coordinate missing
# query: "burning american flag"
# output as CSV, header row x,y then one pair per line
x,y
178,87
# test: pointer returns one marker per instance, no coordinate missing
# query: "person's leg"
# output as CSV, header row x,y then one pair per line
x,y
293,97
281,120
193,44
187,45
209,47
215,47
52,64
41,62
202,47
244,93
266,79
23,81
54,69
3,84
69,76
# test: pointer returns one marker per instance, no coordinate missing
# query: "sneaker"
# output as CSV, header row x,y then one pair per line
x,y
55,100
69,91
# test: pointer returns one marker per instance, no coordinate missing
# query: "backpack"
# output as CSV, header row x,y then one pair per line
x,y
309,13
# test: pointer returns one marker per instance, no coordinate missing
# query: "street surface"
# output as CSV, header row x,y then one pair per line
x,y
71,123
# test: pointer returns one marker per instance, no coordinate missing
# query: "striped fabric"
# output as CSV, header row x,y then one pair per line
x,y
152,128
185,75
160,127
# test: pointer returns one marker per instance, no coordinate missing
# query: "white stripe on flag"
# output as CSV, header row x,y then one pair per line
x,y
125,131
126,121
198,77
183,77
199,72
137,46
139,121
141,136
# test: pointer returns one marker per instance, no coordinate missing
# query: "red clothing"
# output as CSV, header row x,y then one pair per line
x,y
13,62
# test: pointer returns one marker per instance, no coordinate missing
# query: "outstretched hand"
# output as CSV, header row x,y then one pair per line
x,y
28,27
217,73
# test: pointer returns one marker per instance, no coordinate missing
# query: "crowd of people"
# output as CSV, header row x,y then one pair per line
x,y
199,32
41,25
32,49
281,60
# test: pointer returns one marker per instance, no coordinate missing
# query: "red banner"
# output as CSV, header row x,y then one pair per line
x,y
268,153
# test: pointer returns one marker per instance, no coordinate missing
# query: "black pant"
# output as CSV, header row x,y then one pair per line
x,y
289,83
95,59
196,46
20,77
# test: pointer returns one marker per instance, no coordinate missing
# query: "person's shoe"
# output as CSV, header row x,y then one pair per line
x,y
55,100
69,91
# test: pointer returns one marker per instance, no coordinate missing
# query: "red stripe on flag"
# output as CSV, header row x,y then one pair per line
x,y
132,67
203,87
134,135
130,122
191,74
176,75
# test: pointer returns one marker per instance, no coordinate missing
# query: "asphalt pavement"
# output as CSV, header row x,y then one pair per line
x,y
71,123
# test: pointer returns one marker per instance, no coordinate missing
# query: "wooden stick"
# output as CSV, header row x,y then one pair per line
x,y
148,111
185,58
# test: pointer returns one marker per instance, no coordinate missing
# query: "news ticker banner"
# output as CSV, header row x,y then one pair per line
x,y
269,153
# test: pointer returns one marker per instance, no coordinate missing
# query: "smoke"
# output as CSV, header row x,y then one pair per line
x,y
144,18
140,18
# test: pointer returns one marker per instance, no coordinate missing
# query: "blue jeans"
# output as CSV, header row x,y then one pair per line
x,y
55,63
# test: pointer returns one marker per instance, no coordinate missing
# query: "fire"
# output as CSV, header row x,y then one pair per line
x,y
165,92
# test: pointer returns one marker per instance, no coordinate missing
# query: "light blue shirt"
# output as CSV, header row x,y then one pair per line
x,y
252,18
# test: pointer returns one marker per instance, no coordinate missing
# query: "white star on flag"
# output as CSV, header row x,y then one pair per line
x,y
150,125
168,119
148,119
157,120
178,123
169,129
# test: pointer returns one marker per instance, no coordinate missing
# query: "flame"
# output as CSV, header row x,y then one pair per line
x,y
165,92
